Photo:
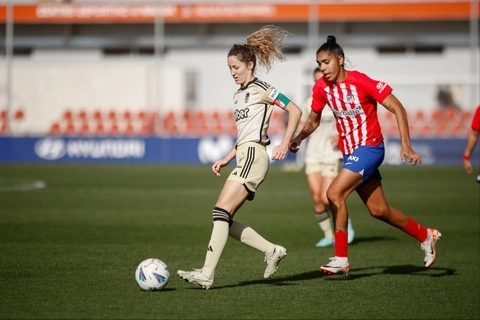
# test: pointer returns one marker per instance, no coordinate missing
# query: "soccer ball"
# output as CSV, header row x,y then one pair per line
x,y
152,275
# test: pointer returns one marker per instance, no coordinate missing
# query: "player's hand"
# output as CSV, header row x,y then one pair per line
x,y
467,165
294,144
413,157
218,165
280,152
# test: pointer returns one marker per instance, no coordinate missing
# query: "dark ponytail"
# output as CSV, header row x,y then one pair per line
x,y
332,46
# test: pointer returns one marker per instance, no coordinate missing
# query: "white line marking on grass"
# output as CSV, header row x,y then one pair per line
x,y
8,185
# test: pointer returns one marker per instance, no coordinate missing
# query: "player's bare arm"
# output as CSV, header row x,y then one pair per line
x,y
392,104
294,115
310,126
473,137
218,165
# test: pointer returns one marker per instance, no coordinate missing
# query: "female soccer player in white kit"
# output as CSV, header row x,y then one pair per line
x,y
254,103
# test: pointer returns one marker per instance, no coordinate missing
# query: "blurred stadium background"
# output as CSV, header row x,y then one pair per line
x,y
147,81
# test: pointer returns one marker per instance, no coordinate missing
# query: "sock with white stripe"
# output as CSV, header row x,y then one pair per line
x,y
323,220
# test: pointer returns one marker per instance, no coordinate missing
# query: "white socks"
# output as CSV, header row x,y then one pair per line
x,y
250,237
217,243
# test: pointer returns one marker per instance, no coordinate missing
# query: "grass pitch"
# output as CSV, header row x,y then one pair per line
x,y
72,236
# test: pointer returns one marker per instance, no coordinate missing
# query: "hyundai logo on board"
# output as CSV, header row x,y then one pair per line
x,y
55,148
50,148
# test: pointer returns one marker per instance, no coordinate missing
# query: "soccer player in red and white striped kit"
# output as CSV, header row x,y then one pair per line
x,y
353,98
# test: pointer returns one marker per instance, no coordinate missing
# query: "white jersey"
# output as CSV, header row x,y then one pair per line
x,y
320,147
254,105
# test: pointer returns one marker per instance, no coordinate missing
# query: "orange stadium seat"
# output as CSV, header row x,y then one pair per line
x,y
146,130
127,116
170,123
142,116
425,130
459,130
54,129
217,128
82,116
440,130
114,130
70,129
466,117
97,115
99,129
112,116
68,115
419,118
84,129
19,115
129,129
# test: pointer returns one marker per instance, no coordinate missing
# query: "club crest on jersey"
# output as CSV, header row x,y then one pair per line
x,y
350,98
247,96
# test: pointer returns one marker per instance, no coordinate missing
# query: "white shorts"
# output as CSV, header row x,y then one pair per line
x,y
252,166
326,169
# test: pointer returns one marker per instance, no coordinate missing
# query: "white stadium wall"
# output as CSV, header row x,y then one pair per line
x,y
45,85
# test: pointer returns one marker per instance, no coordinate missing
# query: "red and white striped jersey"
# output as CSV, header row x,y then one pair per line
x,y
354,104
476,120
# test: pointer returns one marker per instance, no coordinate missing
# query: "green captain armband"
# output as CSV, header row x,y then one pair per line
x,y
281,101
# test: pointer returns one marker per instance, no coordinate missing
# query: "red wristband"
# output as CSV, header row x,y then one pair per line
x,y
466,158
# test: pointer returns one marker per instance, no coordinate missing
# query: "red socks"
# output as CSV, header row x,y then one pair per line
x,y
413,229
416,230
341,244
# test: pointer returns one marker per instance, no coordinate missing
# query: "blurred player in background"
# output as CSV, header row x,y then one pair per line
x,y
472,142
353,98
323,161
254,103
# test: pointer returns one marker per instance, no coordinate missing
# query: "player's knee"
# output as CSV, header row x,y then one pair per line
x,y
379,212
219,214
317,200
333,196
324,200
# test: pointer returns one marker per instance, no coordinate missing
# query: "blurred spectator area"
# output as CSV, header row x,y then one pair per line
x,y
142,123
437,123
14,125
448,122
